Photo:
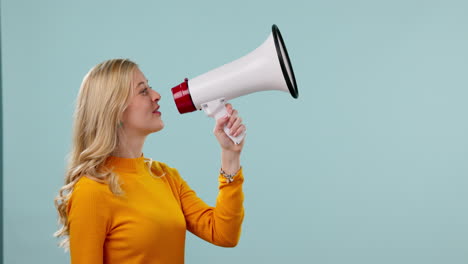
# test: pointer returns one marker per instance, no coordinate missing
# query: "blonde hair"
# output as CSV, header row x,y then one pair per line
x,y
104,94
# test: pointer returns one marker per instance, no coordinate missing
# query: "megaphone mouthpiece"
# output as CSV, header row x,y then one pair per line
x,y
182,98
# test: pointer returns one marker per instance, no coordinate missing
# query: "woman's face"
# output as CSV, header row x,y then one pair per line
x,y
142,116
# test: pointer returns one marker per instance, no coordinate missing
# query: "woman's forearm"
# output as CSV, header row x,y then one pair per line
x,y
230,161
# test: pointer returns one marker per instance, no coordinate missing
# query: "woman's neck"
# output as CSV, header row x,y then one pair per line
x,y
129,147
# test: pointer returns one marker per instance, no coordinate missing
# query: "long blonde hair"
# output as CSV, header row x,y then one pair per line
x,y
102,99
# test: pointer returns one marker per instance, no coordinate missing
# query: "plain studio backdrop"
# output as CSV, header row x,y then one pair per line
x,y
368,166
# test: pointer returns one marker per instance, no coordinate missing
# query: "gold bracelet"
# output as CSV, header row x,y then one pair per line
x,y
229,177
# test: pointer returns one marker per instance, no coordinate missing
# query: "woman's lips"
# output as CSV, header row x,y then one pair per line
x,y
156,111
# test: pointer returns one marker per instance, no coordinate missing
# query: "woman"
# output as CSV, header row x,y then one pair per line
x,y
118,206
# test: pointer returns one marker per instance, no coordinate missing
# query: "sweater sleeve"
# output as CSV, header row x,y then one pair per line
x,y
88,218
220,225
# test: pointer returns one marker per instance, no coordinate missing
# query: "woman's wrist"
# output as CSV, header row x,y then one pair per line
x,y
230,161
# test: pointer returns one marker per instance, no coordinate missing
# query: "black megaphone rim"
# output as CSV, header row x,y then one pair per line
x,y
283,59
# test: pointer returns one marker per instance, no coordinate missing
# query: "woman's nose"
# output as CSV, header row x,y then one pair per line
x,y
155,96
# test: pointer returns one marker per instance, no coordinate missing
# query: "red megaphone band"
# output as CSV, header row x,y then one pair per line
x,y
182,98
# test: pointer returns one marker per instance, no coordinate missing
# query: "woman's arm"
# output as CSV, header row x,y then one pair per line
x,y
220,225
88,218
230,152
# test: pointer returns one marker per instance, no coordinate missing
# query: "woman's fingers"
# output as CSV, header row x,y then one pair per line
x,y
229,108
220,123
233,118
232,121
236,125
239,130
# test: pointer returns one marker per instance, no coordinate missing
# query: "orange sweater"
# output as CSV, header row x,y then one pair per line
x,y
148,224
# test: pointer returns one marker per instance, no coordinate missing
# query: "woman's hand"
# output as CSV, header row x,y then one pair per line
x,y
230,155
234,123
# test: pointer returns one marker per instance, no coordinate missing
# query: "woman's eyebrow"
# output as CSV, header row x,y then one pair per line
x,y
142,82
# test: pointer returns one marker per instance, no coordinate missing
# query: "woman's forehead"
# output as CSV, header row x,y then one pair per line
x,y
139,78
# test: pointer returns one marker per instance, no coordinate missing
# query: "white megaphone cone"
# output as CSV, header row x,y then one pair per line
x,y
266,68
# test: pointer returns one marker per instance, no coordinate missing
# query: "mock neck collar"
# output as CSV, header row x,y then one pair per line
x,y
127,164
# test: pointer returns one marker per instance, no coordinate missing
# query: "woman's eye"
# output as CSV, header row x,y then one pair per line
x,y
145,91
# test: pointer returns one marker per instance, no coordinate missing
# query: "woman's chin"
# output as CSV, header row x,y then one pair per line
x,y
159,128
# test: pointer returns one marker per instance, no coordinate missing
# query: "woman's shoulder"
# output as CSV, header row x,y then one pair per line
x,y
86,186
88,196
162,168
89,182
161,165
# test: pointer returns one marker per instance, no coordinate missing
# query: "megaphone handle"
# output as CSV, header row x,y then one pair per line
x,y
217,110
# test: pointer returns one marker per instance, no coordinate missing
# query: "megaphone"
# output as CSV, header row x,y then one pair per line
x,y
268,67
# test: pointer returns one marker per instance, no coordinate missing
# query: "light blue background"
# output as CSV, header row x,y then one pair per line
x,y
369,165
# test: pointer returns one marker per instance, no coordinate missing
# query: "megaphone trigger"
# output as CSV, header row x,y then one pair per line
x,y
217,110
